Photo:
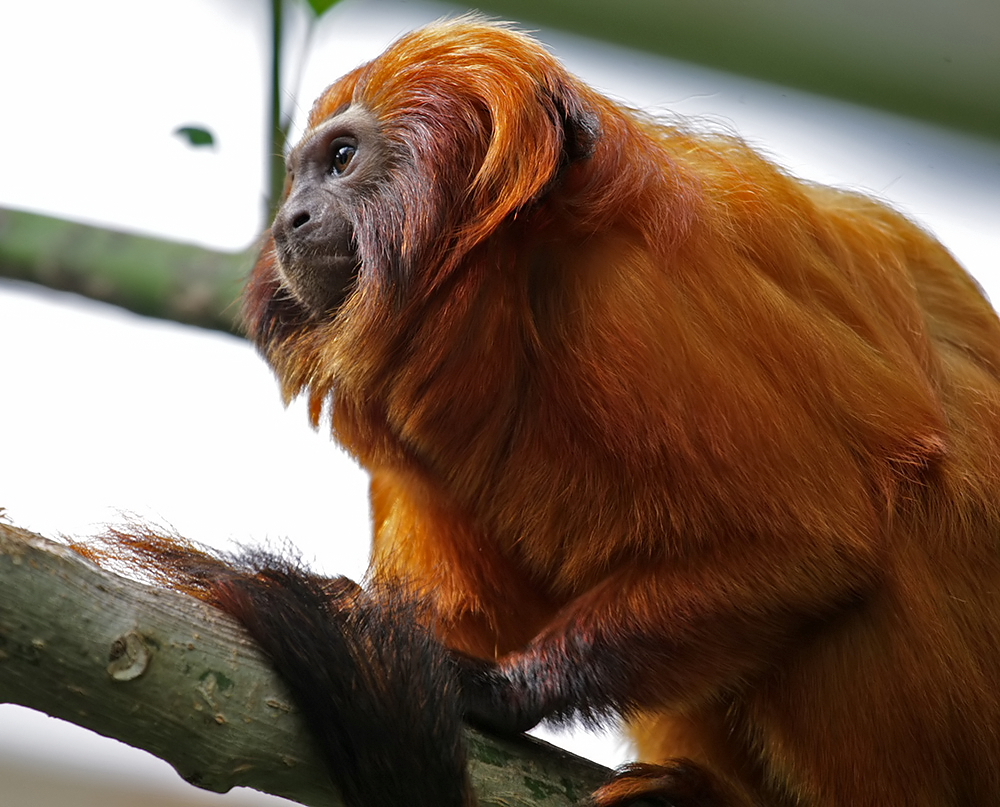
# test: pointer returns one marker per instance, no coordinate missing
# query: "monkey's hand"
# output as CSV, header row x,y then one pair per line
x,y
492,700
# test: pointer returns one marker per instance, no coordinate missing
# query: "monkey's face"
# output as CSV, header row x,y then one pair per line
x,y
330,172
421,179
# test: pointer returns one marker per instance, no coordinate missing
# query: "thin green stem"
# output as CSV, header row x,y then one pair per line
x,y
278,128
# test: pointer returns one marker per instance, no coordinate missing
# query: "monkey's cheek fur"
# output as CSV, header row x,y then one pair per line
x,y
321,283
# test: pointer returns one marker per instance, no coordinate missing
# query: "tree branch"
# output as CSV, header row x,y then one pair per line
x,y
150,276
166,673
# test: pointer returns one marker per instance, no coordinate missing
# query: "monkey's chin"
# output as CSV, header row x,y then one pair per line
x,y
321,284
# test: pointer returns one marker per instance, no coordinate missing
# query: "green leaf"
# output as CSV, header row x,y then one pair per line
x,y
320,7
196,136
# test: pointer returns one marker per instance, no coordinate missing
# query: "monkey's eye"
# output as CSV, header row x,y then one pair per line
x,y
341,156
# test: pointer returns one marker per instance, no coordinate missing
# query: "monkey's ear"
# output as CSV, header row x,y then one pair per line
x,y
580,124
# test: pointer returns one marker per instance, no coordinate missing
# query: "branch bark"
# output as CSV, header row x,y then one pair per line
x,y
166,673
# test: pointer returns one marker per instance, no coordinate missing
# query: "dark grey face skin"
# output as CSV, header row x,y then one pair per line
x,y
329,170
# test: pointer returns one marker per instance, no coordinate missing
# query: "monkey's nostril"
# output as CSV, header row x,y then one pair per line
x,y
300,220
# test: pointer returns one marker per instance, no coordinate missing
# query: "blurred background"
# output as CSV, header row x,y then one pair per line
x,y
105,412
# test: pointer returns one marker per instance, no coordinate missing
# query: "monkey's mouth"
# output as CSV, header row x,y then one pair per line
x,y
321,283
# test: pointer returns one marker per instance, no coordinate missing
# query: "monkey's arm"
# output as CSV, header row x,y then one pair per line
x,y
667,634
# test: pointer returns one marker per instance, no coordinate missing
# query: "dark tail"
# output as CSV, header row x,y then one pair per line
x,y
377,690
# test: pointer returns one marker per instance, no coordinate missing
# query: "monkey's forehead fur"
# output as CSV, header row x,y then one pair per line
x,y
459,67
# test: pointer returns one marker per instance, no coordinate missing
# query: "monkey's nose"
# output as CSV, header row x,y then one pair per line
x,y
295,222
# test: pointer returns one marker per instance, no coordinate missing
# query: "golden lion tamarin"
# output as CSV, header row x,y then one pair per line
x,y
655,430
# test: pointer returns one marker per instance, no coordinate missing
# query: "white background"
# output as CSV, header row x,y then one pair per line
x,y
104,413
